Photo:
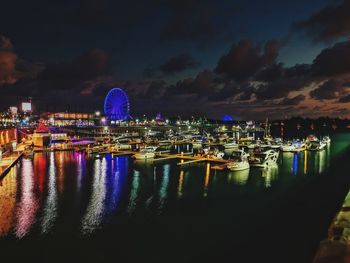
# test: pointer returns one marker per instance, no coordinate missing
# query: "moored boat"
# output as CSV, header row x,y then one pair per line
x,y
326,139
145,153
239,161
314,144
264,159
230,145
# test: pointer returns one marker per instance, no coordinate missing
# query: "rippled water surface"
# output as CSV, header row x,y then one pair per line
x,y
101,208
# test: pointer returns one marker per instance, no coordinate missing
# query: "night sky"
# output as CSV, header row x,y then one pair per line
x,y
250,59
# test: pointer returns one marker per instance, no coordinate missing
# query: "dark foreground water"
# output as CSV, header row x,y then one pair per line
x,y
68,207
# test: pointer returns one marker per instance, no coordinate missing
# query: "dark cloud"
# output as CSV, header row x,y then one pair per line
x,y
202,22
333,61
177,64
90,65
246,94
202,85
155,90
7,67
345,99
5,44
331,89
245,59
229,90
329,23
271,73
293,101
283,82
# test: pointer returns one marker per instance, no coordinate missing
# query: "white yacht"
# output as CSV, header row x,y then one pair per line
x,y
287,147
326,139
213,153
121,146
164,142
239,161
264,159
314,144
230,145
145,153
197,144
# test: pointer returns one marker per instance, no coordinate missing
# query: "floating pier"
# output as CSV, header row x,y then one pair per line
x,y
190,159
122,153
219,167
9,162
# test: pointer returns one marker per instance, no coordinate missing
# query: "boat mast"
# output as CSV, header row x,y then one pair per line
x,y
267,132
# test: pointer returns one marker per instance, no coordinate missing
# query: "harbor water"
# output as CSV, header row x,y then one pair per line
x,y
69,206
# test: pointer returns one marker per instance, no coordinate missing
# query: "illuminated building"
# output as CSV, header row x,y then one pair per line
x,y
70,118
8,137
26,106
227,118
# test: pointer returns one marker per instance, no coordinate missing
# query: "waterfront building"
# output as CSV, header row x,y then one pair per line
x,y
70,118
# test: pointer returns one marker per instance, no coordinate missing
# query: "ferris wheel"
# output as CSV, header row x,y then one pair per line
x,y
117,106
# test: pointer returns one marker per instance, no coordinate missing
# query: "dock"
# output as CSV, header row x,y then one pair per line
x,y
219,167
121,153
6,163
188,159
336,248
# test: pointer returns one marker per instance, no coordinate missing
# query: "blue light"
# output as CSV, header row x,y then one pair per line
x,y
227,118
116,105
295,164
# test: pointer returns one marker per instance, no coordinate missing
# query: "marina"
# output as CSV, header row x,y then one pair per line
x,y
97,194
126,181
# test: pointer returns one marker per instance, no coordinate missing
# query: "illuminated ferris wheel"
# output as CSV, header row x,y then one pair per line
x,y
117,106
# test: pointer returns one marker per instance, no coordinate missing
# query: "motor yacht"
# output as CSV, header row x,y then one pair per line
x,y
196,144
264,158
146,153
121,146
213,153
239,161
288,147
230,145
314,144
326,139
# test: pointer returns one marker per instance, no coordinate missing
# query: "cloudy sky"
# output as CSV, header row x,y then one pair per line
x,y
246,58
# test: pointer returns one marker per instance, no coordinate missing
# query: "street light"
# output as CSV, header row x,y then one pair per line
x,y
97,113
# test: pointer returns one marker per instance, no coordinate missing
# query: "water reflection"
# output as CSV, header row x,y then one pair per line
x,y
134,192
305,161
8,190
94,213
270,174
116,176
60,172
295,163
28,204
239,177
101,190
163,190
181,180
81,168
321,161
40,166
206,179
50,208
